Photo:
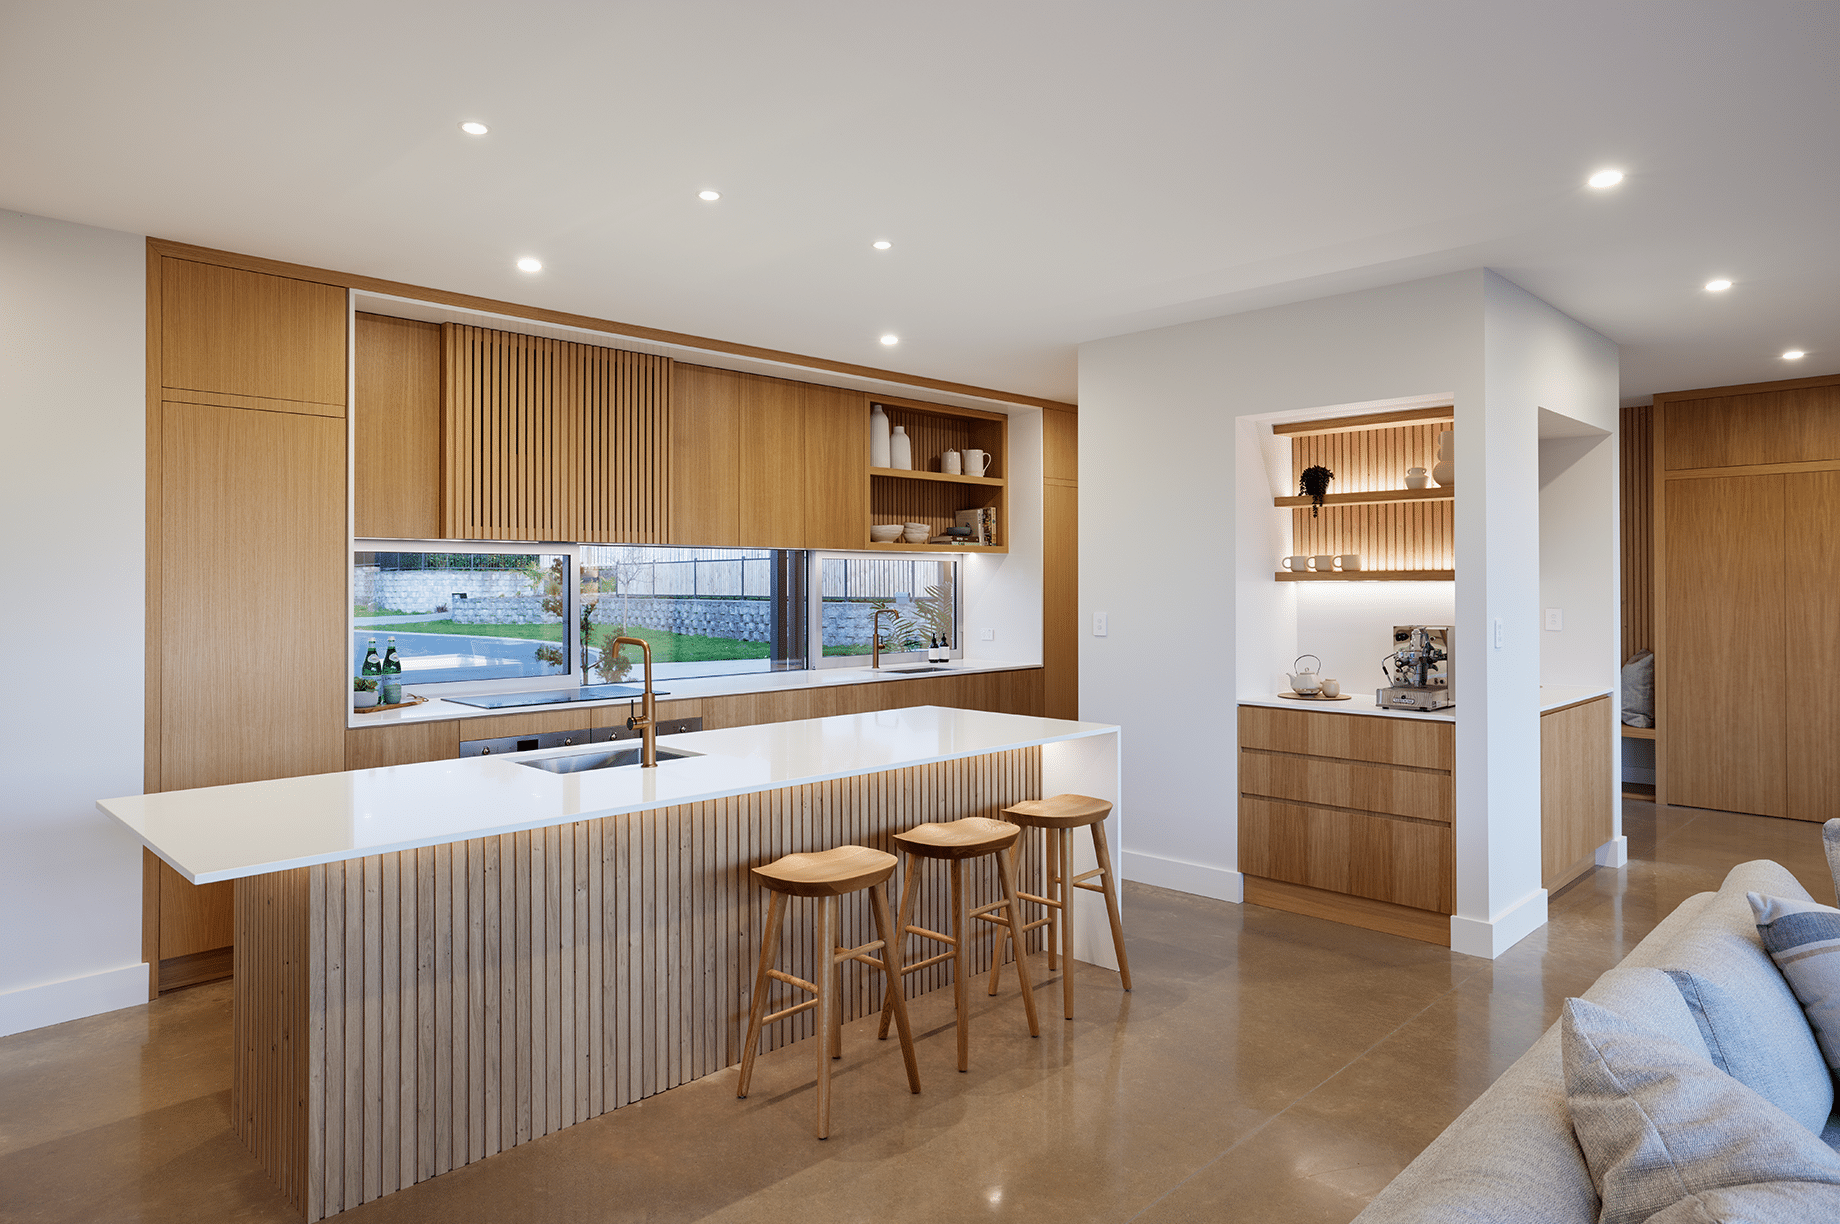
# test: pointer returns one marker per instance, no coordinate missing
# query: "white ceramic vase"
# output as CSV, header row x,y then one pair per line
x,y
1444,472
900,449
878,437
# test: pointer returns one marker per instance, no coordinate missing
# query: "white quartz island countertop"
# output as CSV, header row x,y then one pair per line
x,y
252,828
1552,697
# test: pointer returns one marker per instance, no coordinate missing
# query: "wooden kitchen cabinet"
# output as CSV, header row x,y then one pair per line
x,y
396,429
1575,799
705,457
837,457
1349,817
251,336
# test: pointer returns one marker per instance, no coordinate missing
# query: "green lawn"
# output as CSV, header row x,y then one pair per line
x,y
667,647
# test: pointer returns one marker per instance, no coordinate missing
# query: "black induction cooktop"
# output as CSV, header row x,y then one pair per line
x,y
587,692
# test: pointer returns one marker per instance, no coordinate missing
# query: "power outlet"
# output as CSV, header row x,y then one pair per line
x,y
1099,625
1555,620
987,635
1501,635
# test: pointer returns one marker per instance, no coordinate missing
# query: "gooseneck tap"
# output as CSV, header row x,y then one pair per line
x,y
875,635
646,722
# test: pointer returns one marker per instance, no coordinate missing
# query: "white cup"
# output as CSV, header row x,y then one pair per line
x,y
1348,562
1322,563
949,463
1295,565
1331,688
977,463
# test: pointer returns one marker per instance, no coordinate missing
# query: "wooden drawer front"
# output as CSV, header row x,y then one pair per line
x,y
1405,862
1359,737
1420,794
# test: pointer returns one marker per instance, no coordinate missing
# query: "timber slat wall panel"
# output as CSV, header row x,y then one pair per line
x,y
1415,535
1636,461
415,1012
549,440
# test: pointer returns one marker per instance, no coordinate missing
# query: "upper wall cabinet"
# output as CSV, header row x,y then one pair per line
x,y
837,452
1744,426
548,440
249,335
396,429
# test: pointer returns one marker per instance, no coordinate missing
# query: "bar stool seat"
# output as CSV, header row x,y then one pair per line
x,y
955,842
828,875
1057,816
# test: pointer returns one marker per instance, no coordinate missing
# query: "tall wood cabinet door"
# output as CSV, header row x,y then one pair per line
x,y
1811,502
1060,598
705,456
1725,720
772,463
230,332
837,451
396,429
624,476
255,641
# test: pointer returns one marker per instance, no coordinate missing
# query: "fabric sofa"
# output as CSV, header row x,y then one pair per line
x,y
1512,1156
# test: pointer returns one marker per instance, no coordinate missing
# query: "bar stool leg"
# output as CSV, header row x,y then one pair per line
x,y
1051,870
827,1008
1103,853
897,984
836,904
897,996
961,963
757,1006
1064,915
1006,875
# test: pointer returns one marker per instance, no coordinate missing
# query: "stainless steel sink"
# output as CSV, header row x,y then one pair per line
x,y
601,758
912,671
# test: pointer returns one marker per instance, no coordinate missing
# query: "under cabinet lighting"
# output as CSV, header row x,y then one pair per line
x,y
1605,178
528,264
891,338
883,245
708,195
1794,355
1717,286
474,129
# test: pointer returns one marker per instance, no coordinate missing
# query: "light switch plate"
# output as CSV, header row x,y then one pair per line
x,y
1501,636
1555,619
1099,627
987,635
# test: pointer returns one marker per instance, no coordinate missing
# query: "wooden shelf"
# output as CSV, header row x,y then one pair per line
x,y
898,546
1360,424
1374,498
1629,732
938,477
1371,576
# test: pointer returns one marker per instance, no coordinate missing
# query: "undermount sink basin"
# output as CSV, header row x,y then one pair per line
x,y
615,757
912,671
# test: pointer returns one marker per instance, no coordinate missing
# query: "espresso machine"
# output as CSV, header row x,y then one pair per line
x,y
1421,669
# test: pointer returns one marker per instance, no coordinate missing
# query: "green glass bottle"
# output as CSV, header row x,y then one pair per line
x,y
372,665
390,691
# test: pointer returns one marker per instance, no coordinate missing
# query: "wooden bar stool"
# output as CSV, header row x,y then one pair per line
x,y
954,842
1058,817
828,875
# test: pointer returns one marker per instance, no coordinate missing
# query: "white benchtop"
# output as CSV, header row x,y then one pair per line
x,y
252,828
1552,697
677,688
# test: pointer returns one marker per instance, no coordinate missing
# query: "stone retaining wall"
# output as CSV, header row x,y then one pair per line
x,y
845,624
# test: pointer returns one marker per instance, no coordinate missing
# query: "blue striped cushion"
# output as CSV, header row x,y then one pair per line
x,y
1803,938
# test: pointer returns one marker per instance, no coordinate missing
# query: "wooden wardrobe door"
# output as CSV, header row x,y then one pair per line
x,y
1726,648
1811,537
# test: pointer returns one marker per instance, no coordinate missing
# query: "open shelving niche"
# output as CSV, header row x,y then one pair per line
x,y
1402,529
928,495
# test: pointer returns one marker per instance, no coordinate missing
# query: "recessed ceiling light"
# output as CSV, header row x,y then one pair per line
x,y
474,129
1794,355
1717,286
891,338
1605,178
527,264
708,195
883,245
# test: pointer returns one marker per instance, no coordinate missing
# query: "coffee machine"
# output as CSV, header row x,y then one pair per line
x,y
1422,669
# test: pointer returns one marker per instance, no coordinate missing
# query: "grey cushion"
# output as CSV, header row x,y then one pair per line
x,y
1639,690
1803,938
1762,1203
1753,1024
1657,1122
1830,841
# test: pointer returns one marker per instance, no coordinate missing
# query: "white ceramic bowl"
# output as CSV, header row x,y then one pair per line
x,y
887,534
926,527
918,537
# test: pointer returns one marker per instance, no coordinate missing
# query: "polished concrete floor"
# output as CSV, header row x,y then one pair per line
x,y
1266,1067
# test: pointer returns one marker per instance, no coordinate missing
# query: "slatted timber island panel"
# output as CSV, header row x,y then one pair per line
x,y
1349,817
442,960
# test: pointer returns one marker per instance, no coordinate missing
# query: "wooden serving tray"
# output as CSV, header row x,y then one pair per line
x,y
1315,697
401,705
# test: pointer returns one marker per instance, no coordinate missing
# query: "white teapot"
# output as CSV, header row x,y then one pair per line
x,y
1307,679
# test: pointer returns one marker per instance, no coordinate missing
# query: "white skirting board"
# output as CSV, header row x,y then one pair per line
x,y
1220,883
33,1007
1614,853
1490,938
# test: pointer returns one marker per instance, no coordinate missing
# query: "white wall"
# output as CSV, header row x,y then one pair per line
x,y
1003,590
72,479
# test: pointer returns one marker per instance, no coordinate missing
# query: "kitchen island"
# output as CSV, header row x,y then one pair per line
x,y
439,961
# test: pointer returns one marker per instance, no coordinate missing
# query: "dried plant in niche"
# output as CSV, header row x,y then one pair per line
x,y
1313,484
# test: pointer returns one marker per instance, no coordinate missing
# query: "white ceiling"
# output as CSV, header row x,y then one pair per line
x,y
1049,172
